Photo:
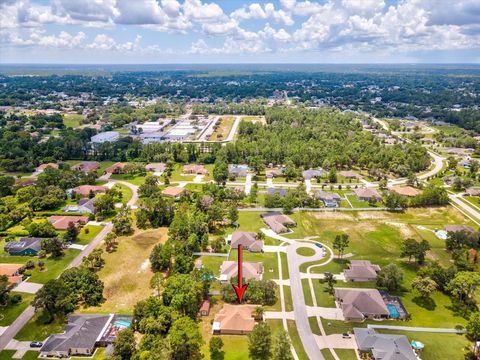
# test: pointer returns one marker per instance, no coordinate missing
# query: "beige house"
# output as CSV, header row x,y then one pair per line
x,y
366,194
234,320
405,190
250,270
278,222
173,192
194,169
248,240
361,304
361,270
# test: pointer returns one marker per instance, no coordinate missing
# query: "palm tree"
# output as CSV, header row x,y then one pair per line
x,y
258,313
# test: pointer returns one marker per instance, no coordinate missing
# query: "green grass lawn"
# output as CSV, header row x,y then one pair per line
x,y
36,329
285,273
84,238
127,193
213,263
135,180
304,251
356,203
296,342
177,174
54,267
269,261
10,312
235,347
323,298
438,346
72,120
287,293
314,325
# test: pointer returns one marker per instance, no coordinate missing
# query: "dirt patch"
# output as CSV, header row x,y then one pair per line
x,y
373,215
145,266
332,215
405,229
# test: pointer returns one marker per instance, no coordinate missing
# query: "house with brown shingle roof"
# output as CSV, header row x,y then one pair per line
x,y
85,190
173,192
234,320
366,194
349,174
86,166
44,166
472,192
405,190
61,222
12,272
194,169
458,228
250,270
361,270
156,167
116,168
361,304
278,222
248,240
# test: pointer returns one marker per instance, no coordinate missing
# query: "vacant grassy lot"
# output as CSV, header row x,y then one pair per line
x,y
135,180
36,329
177,174
10,312
255,119
224,126
72,120
127,273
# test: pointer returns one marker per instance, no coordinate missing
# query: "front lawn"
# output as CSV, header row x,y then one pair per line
x,y
36,329
269,261
135,180
9,313
88,233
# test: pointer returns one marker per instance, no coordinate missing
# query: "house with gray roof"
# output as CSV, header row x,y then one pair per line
x,y
248,240
361,270
384,346
312,173
81,336
83,206
361,304
330,199
278,222
27,246
366,194
235,170
281,192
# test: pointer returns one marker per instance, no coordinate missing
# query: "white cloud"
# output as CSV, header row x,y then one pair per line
x,y
105,42
255,11
38,37
198,11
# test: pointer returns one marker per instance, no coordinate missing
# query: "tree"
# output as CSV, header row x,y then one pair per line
x,y
281,346
258,313
124,345
215,345
332,175
329,279
53,246
72,232
54,299
260,342
340,244
122,223
473,327
110,241
390,277
104,205
185,340
42,229
83,285
233,214
183,293
94,260
418,250
463,287
160,257
4,289
157,282
220,171
424,285
394,201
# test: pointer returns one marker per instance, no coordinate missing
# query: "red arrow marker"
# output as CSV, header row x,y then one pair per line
x,y
240,289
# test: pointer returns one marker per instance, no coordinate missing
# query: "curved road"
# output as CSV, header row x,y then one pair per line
x,y
132,187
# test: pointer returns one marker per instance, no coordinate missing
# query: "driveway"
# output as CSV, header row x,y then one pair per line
x,y
132,187
21,348
335,341
326,313
248,184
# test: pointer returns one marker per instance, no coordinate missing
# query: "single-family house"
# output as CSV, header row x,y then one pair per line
x,y
25,183
87,190
61,222
458,228
248,240
42,167
278,222
235,170
234,320
312,173
116,168
173,192
384,346
280,191
366,194
330,199
157,168
12,272
272,173
405,190
250,270
86,166
84,206
361,304
27,246
361,270
80,338
472,192
349,174
194,169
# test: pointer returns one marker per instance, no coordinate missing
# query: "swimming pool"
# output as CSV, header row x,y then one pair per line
x,y
392,309
122,323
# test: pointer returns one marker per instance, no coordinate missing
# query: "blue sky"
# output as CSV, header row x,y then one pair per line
x,y
239,31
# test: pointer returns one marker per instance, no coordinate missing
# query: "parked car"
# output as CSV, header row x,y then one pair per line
x,y
346,336
36,344
319,245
